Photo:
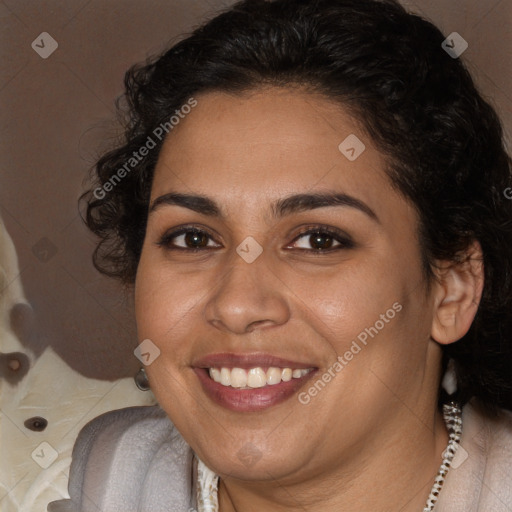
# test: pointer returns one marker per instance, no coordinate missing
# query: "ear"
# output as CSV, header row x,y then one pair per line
x,y
458,291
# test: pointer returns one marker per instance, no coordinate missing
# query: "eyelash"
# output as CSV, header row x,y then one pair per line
x,y
339,236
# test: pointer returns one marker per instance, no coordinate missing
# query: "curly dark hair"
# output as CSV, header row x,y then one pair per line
x,y
443,141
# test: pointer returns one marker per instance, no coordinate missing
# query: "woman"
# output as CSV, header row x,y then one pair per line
x,y
309,210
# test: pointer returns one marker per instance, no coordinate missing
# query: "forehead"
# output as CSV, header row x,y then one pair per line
x,y
252,148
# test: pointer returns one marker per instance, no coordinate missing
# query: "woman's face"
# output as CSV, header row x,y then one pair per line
x,y
345,303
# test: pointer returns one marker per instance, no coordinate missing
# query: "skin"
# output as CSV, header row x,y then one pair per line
x,y
372,439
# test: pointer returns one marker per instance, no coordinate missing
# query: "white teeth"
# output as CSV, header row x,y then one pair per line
x,y
273,376
255,377
225,376
238,378
286,374
215,374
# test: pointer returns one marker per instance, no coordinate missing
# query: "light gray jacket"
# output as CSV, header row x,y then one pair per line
x,y
134,460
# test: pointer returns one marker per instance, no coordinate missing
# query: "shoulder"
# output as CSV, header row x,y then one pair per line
x,y
495,440
129,459
479,477
491,434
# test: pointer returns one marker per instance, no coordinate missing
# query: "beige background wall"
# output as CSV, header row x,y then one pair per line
x,y
56,117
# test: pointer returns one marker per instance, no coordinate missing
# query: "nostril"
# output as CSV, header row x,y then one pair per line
x,y
37,424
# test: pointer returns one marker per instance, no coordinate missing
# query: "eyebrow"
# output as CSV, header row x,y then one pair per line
x,y
280,208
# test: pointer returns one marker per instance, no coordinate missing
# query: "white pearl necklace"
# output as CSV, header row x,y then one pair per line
x,y
452,414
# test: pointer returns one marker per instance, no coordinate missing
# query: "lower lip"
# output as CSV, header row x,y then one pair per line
x,y
249,400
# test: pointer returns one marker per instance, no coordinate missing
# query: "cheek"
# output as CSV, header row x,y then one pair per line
x,y
357,323
164,302
379,306
348,300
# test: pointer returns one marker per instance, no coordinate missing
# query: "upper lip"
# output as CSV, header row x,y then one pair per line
x,y
252,360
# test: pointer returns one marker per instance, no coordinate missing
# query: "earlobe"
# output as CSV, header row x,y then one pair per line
x,y
458,293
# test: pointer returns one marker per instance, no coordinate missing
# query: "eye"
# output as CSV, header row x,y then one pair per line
x,y
186,239
323,239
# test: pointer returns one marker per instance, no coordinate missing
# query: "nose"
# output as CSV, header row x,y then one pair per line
x,y
249,295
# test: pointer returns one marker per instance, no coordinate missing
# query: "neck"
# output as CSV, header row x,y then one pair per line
x,y
397,476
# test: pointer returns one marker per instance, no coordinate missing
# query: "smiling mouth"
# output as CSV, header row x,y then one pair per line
x,y
250,382
257,377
